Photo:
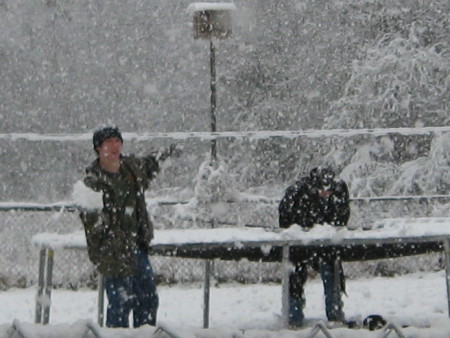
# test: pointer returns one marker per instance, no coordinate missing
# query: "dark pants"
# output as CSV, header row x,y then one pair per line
x,y
137,293
330,269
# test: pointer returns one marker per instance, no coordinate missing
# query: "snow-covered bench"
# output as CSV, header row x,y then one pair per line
x,y
388,238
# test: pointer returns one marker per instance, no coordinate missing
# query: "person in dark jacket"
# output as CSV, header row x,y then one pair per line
x,y
119,234
316,199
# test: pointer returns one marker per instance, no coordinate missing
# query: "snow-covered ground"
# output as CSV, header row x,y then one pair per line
x,y
415,303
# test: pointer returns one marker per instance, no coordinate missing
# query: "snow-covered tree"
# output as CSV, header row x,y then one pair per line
x,y
400,83
402,80
214,188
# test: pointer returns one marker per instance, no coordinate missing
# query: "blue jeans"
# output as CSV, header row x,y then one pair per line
x,y
330,272
135,293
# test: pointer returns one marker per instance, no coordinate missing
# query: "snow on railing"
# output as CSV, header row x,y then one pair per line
x,y
94,328
164,330
21,330
256,135
319,327
28,330
391,327
69,206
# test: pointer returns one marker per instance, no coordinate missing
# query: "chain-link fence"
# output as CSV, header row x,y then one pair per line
x,y
72,269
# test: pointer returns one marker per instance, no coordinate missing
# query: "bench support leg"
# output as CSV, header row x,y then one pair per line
x,y
206,294
101,300
48,286
45,284
40,291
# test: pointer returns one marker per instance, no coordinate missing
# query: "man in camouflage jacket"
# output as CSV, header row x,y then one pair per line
x,y
118,236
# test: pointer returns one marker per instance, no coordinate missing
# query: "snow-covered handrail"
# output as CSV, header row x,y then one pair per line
x,y
28,206
319,327
94,328
399,198
162,328
21,330
68,206
256,135
391,327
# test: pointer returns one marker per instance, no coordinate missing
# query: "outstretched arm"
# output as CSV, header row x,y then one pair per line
x,y
152,162
174,150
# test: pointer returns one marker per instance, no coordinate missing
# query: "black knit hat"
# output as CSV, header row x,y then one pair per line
x,y
323,175
105,133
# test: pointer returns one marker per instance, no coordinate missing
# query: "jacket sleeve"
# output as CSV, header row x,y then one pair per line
x,y
151,166
302,212
286,208
294,207
342,204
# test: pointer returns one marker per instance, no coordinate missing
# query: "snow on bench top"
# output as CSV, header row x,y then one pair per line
x,y
398,228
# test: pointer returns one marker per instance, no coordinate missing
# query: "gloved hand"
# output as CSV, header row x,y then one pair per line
x,y
173,150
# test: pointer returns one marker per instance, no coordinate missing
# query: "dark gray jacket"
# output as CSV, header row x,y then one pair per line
x,y
302,204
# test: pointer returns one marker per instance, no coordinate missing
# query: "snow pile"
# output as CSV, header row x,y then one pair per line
x,y
214,188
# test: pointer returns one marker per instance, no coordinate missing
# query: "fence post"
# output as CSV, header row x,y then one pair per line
x,y
286,266
40,291
48,286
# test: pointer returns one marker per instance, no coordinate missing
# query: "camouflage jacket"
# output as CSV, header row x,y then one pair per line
x,y
111,245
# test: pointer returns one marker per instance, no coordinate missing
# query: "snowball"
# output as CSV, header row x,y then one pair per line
x,y
85,197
